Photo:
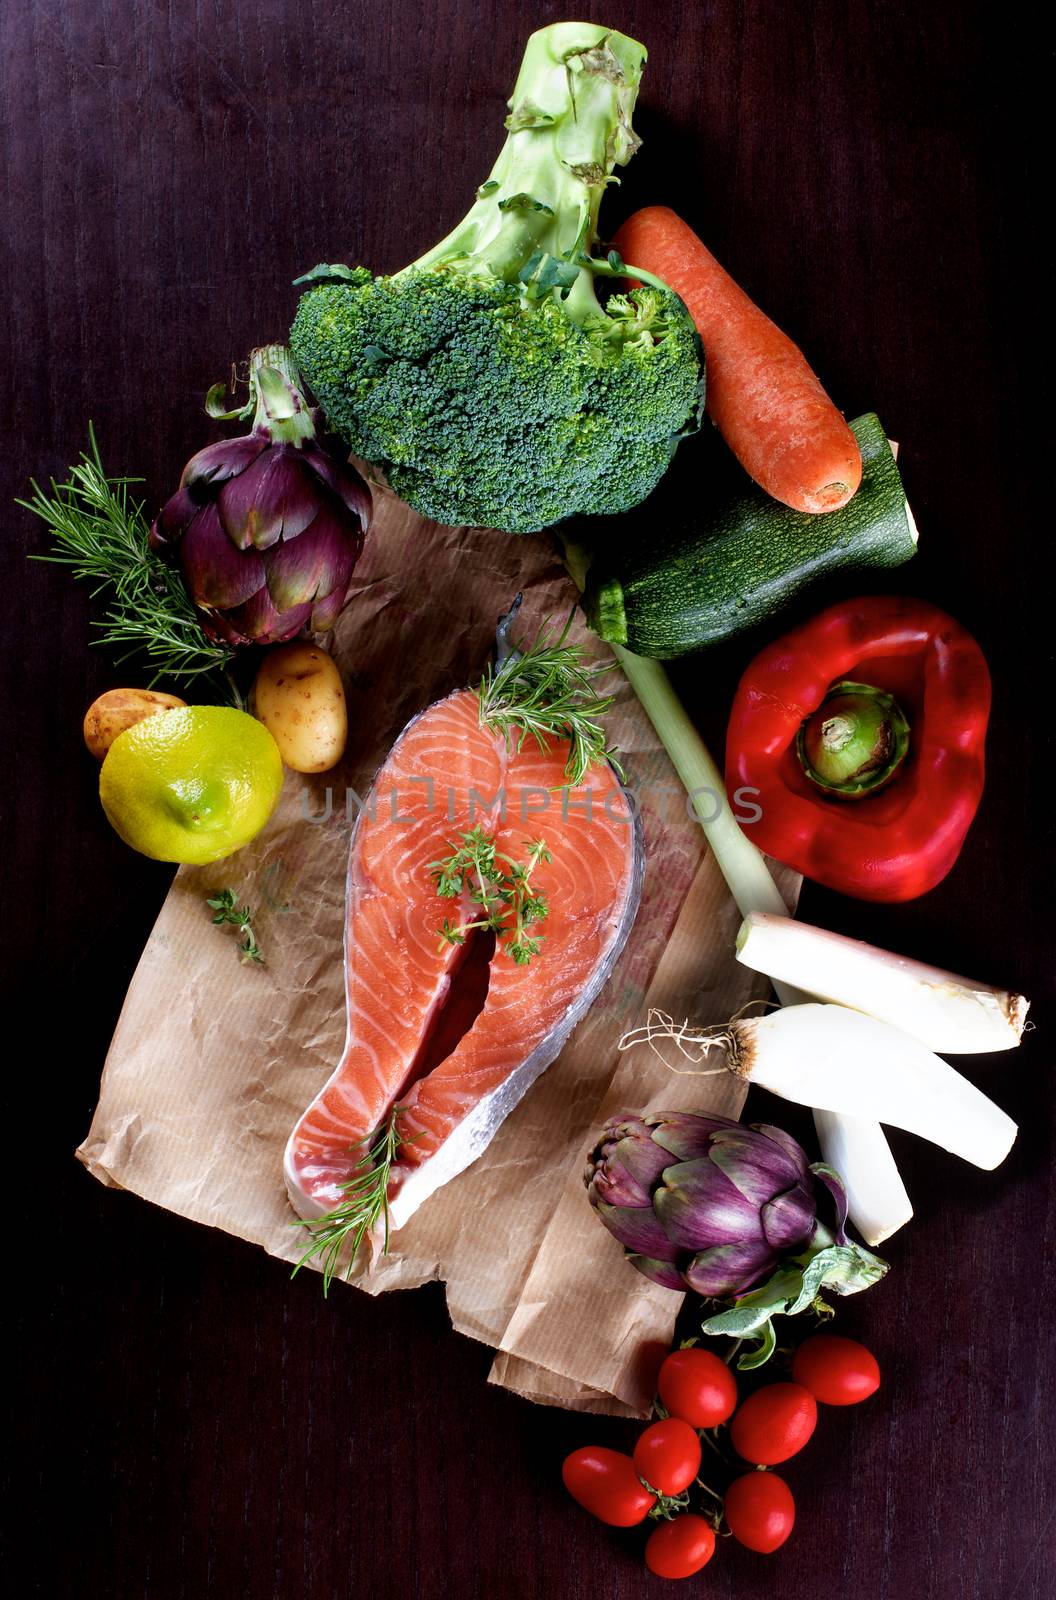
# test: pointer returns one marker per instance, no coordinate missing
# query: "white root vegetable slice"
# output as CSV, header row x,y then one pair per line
x,y
948,1013
842,1061
877,1201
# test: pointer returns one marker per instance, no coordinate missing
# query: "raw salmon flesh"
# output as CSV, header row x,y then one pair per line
x,y
457,1034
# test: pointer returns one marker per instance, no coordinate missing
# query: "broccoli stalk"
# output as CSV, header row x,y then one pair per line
x,y
569,125
486,378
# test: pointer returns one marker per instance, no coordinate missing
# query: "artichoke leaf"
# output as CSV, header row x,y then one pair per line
x,y
842,1268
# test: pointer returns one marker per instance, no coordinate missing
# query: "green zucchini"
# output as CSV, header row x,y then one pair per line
x,y
747,559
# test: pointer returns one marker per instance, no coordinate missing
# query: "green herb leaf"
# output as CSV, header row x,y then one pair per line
x,y
228,911
101,534
545,692
499,885
367,1202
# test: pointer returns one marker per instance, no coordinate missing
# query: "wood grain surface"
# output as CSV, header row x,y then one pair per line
x,y
188,1423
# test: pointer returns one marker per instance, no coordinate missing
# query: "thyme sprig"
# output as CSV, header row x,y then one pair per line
x,y
227,909
366,1202
546,691
100,531
500,885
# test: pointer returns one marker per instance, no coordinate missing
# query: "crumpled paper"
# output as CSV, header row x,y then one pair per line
x,y
213,1061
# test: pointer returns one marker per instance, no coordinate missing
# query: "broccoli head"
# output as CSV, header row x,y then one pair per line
x,y
487,380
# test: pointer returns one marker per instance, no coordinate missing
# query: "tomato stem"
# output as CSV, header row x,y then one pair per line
x,y
706,1435
667,1506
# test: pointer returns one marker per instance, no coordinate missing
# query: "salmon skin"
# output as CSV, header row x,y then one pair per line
x,y
445,775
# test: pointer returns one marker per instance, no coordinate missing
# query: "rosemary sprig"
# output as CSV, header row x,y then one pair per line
x,y
367,1200
544,692
500,886
100,532
227,909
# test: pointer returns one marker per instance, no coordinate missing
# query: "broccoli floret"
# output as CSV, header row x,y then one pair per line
x,y
486,379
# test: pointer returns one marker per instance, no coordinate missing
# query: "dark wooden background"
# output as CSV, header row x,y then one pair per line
x,y
188,1422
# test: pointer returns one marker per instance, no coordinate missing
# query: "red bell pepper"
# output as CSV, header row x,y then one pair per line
x,y
861,734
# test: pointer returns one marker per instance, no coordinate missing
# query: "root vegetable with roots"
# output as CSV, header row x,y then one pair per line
x,y
849,1065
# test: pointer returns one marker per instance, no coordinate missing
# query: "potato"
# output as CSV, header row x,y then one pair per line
x,y
119,709
299,699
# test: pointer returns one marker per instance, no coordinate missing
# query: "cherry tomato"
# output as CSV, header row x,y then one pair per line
x,y
760,1511
680,1548
696,1386
773,1423
606,1484
668,1455
838,1371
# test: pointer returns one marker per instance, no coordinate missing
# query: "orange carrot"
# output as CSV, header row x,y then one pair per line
x,y
761,394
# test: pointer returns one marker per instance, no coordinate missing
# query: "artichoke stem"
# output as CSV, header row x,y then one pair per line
x,y
281,409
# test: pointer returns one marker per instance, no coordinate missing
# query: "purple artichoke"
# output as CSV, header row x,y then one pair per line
x,y
268,527
709,1204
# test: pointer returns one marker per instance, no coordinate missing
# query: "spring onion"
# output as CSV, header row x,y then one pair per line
x,y
844,1062
947,1013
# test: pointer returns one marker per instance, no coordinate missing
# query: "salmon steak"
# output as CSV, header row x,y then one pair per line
x,y
455,1033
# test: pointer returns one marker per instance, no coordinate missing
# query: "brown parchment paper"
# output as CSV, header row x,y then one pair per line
x,y
212,1061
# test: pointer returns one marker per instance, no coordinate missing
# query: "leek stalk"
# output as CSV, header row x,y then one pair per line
x,y
950,1014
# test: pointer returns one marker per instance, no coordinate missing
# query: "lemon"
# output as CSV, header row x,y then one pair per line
x,y
191,785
